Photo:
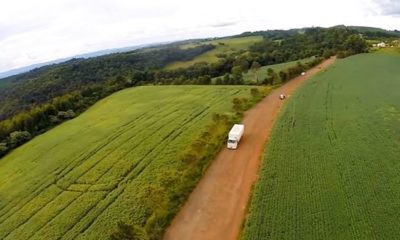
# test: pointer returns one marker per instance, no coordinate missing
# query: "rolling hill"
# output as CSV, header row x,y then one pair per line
x,y
223,46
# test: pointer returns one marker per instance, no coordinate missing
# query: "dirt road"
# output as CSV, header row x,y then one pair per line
x,y
216,207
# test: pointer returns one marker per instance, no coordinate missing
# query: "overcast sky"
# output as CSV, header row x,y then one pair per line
x,y
35,31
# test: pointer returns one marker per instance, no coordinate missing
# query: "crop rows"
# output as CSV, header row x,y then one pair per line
x,y
331,168
79,179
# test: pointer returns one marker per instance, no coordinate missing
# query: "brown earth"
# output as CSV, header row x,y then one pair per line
x,y
216,207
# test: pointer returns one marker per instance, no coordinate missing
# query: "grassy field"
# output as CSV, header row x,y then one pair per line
x,y
331,168
389,50
261,74
223,46
77,180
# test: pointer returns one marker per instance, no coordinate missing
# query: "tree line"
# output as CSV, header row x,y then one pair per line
x,y
43,84
38,100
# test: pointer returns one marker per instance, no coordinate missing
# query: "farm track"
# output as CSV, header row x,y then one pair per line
x,y
216,207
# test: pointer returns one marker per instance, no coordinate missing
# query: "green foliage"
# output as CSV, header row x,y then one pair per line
x,y
330,169
263,73
223,48
129,232
3,149
121,160
19,137
105,73
67,89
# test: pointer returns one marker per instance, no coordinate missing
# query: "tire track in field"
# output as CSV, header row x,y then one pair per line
x,y
47,220
43,183
135,146
87,225
123,183
23,221
37,193
85,156
139,161
186,121
79,157
7,205
110,139
104,157
161,110
125,154
49,202
60,171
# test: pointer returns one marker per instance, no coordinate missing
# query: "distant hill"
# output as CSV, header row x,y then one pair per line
x,y
85,55
133,66
41,84
223,47
372,31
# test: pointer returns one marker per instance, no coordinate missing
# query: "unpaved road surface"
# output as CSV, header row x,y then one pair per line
x,y
216,207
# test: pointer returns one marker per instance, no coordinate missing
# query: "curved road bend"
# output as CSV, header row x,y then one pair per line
x,y
216,207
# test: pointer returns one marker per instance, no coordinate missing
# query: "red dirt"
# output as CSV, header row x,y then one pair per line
x,y
216,207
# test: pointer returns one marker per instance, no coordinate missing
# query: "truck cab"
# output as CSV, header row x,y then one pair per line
x,y
232,143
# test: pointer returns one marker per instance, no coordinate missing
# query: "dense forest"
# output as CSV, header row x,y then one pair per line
x,y
33,102
41,85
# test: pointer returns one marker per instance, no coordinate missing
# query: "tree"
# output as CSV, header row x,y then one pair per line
x,y
254,92
129,232
238,105
356,44
19,137
66,115
272,76
237,76
226,80
236,70
255,66
242,63
283,75
3,149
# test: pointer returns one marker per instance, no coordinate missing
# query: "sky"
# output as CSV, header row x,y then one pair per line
x,y
43,30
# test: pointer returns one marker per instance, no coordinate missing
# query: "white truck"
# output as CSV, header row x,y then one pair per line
x,y
234,136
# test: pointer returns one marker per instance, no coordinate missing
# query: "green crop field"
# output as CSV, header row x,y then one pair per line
x,y
331,169
222,46
77,180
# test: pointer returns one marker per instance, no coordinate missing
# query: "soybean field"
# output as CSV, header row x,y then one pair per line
x,y
79,179
331,169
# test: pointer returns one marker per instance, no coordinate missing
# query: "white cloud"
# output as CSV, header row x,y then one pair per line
x,y
43,30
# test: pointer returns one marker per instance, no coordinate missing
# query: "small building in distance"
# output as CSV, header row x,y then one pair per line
x,y
381,45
